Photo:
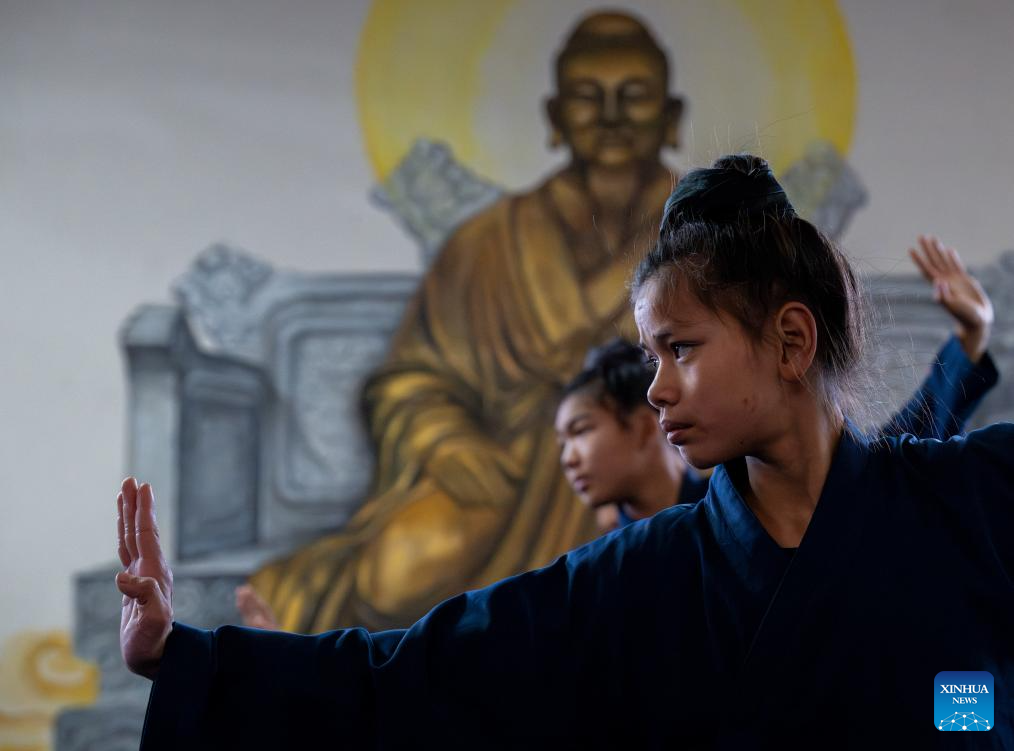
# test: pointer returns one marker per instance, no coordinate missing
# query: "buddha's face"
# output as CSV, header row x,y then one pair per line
x,y
612,108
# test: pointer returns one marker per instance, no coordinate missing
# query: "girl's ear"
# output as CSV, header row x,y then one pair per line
x,y
796,329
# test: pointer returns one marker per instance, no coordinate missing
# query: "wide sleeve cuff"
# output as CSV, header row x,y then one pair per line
x,y
179,695
975,378
986,370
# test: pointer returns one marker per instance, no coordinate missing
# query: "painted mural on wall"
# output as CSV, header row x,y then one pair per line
x,y
39,676
467,488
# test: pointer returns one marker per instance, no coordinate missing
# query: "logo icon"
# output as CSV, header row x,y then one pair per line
x,y
963,701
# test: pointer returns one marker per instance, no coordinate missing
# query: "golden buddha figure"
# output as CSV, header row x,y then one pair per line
x,y
468,488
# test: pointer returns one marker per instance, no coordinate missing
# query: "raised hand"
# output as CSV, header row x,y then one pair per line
x,y
146,582
256,613
958,292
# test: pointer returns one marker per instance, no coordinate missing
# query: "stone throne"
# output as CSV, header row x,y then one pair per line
x,y
243,411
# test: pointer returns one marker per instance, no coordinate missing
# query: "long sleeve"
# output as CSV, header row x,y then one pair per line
x,y
243,688
499,663
947,398
973,476
987,464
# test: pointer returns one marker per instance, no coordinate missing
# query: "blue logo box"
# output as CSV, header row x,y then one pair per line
x,y
963,701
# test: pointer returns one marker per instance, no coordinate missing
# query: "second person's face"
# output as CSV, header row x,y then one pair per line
x,y
598,453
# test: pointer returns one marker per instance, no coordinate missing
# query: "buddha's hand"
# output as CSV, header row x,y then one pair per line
x,y
146,582
254,610
958,292
475,473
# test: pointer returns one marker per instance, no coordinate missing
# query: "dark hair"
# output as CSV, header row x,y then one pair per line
x,y
731,234
616,375
611,30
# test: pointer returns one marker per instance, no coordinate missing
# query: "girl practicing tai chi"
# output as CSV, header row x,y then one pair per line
x,y
620,465
808,601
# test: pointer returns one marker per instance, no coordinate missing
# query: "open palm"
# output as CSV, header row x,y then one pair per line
x,y
146,582
957,291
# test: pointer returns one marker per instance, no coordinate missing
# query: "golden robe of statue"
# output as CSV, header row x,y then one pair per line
x,y
468,488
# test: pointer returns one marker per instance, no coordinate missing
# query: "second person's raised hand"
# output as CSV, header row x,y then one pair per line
x,y
957,291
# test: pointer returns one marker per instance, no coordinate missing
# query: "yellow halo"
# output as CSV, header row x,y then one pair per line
x,y
767,76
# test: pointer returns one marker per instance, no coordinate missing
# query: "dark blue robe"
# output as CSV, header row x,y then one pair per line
x,y
694,622
693,487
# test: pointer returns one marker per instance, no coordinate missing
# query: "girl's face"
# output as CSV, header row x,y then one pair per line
x,y
717,390
599,454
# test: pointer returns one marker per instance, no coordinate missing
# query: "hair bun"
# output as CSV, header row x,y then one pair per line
x,y
617,376
613,354
734,186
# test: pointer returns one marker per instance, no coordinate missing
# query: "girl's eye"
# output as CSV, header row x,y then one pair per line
x,y
680,349
651,362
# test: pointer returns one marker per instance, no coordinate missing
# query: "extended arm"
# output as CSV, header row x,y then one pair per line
x,y
502,661
963,372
